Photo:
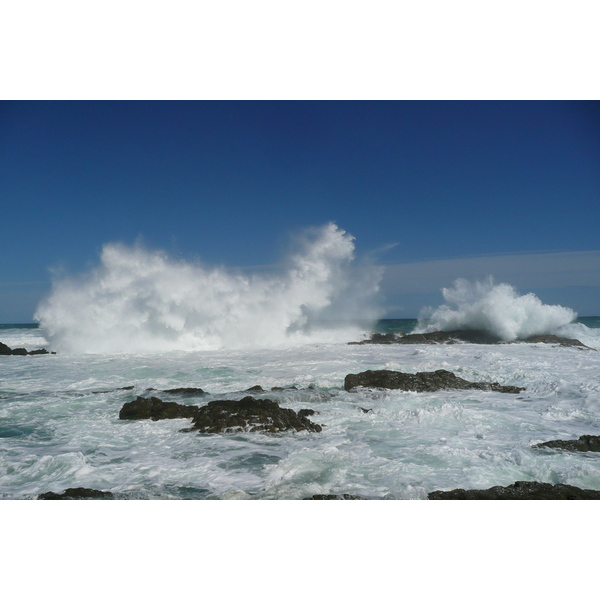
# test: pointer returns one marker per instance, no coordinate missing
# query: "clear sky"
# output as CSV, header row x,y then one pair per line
x,y
433,190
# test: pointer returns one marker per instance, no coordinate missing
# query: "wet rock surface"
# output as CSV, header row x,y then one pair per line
x,y
586,443
7,351
469,336
77,494
520,490
421,382
156,409
249,414
186,391
335,497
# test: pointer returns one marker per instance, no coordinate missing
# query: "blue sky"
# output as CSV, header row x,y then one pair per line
x,y
433,190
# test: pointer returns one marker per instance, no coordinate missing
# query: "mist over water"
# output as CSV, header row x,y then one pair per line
x,y
139,300
496,308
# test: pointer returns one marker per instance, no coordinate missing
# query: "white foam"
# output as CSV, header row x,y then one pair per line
x,y
496,308
139,300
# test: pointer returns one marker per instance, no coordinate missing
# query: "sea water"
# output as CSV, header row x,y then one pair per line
x,y
59,424
145,321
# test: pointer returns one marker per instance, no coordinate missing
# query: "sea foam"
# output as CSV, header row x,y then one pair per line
x,y
138,300
496,308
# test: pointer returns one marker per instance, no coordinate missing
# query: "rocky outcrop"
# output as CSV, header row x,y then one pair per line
x,y
7,351
554,339
469,336
79,493
421,382
186,391
223,416
306,412
155,409
520,490
586,443
249,414
335,497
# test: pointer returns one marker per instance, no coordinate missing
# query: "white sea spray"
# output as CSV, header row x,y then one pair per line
x,y
141,300
496,308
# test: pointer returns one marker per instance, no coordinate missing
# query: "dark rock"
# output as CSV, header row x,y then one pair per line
x,y
586,443
6,351
421,382
306,412
255,388
248,414
186,391
77,494
334,497
553,339
470,336
155,409
365,410
520,490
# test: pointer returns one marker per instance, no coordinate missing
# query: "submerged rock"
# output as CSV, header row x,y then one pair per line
x,y
475,336
554,339
421,382
586,443
249,414
520,490
155,409
79,493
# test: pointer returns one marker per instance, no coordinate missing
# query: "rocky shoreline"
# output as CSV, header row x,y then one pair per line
x,y
464,336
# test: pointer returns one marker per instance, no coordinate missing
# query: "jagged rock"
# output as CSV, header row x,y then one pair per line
x,y
248,414
520,490
334,497
306,412
7,351
77,494
586,443
155,409
186,391
421,382
470,336
255,388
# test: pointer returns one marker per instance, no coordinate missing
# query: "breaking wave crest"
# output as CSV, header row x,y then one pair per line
x,y
495,308
138,300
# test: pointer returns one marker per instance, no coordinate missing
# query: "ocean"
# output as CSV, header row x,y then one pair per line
x,y
60,426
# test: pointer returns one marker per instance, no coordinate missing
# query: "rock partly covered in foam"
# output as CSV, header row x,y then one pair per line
x,y
335,497
586,443
249,414
468,336
222,416
79,493
520,490
6,351
421,382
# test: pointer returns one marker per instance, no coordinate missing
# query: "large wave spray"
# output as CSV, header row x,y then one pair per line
x,y
139,300
496,308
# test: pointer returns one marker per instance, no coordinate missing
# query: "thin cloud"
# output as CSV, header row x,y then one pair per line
x,y
537,270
